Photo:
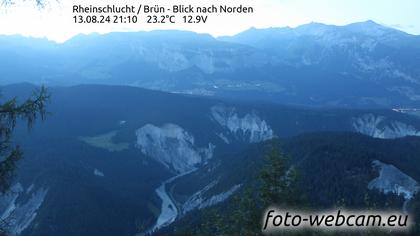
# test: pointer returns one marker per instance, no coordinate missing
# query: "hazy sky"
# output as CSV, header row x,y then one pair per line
x,y
55,20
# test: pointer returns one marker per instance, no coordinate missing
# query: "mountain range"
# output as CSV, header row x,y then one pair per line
x,y
361,65
150,132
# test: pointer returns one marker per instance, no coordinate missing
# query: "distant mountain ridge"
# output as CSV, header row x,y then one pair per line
x,y
358,65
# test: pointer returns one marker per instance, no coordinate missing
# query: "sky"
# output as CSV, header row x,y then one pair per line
x,y
55,20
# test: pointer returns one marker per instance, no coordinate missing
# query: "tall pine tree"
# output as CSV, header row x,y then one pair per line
x,y
10,112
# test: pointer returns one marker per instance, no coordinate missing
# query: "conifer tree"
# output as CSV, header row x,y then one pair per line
x,y
276,185
10,112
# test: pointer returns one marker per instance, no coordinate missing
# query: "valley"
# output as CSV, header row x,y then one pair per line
x,y
168,132
178,159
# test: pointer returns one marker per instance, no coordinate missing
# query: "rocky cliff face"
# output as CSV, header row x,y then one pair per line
x,y
19,206
172,146
208,60
199,200
392,180
380,127
248,128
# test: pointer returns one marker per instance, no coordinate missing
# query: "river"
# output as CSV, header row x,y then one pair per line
x,y
169,211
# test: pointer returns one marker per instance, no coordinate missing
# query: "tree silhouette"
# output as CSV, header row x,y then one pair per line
x,y
276,184
10,112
